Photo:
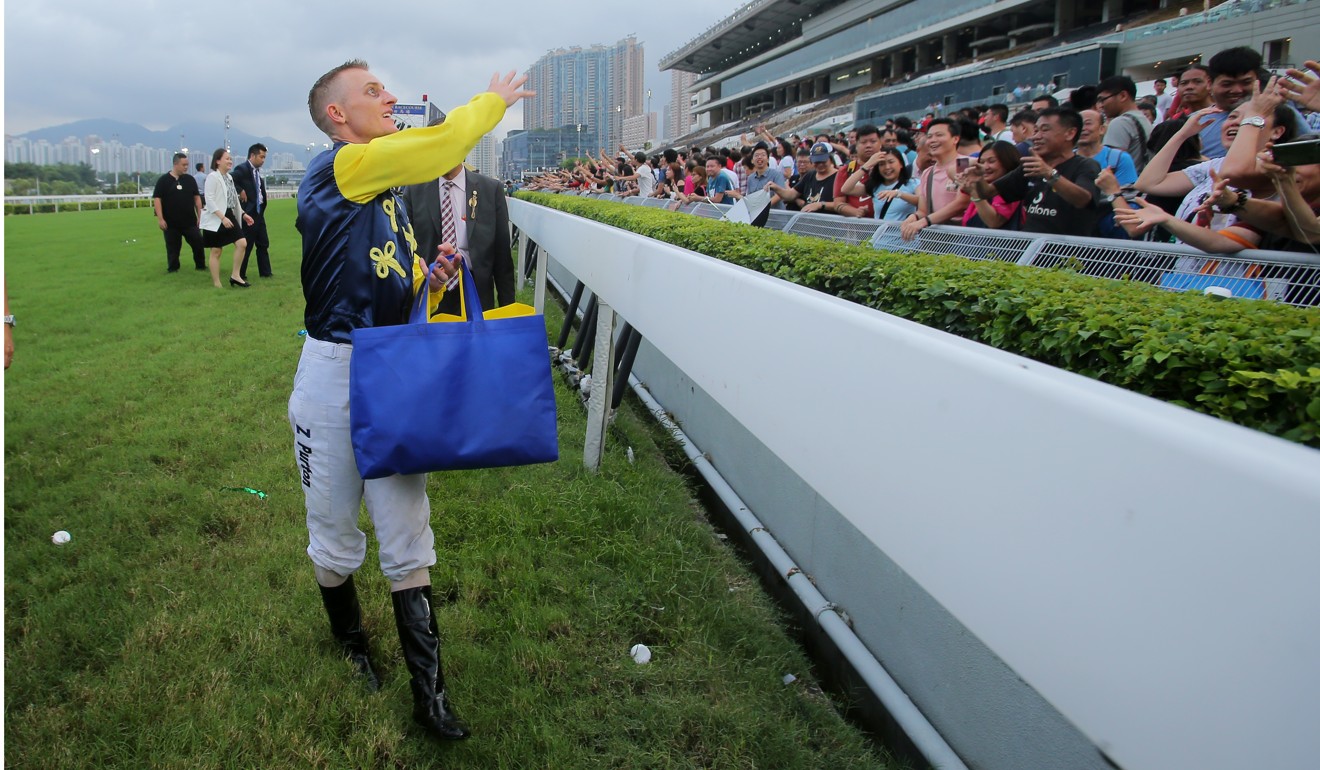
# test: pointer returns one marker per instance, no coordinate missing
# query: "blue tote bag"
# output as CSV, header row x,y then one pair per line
x,y
451,396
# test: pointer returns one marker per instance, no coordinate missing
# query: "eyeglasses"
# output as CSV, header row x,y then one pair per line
x,y
1102,99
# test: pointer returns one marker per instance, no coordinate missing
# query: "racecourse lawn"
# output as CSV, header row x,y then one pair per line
x,y
181,627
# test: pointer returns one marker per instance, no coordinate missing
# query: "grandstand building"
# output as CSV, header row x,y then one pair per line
x,y
840,61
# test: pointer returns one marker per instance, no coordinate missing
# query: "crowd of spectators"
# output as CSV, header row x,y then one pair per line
x,y
1192,164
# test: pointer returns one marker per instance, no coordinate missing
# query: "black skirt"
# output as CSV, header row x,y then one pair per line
x,y
225,235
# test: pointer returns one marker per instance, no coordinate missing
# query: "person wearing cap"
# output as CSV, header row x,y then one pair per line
x,y
814,190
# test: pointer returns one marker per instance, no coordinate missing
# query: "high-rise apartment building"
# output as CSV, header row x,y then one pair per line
x,y
638,130
627,64
680,103
595,88
482,157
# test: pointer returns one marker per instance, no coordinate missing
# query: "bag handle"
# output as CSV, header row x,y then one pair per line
x,y
467,289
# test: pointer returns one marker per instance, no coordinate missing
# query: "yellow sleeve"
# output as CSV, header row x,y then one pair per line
x,y
415,155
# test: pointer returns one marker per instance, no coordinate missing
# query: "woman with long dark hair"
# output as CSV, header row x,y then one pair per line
x,y
886,177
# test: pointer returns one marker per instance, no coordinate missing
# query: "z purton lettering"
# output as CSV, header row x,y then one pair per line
x,y
305,462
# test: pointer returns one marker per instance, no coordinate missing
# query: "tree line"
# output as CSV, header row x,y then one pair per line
x,y
62,179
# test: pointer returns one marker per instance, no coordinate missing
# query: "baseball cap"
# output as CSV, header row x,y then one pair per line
x,y
820,152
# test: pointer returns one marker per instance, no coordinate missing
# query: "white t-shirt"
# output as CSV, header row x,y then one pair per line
x,y
1202,185
1162,104
786,166
645,181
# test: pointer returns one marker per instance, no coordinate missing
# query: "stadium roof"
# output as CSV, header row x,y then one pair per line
x,y
754,28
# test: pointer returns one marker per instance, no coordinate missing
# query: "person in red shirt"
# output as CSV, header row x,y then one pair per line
x,y
868,142
1193,92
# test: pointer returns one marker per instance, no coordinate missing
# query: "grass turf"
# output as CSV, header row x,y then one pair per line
x,y
181,627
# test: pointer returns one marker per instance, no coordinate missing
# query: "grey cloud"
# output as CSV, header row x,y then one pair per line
x,y
165,63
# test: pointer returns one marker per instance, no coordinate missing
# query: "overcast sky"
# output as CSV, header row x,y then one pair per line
x,y
163,62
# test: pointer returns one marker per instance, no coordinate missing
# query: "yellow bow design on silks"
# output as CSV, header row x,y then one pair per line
x,y
385,261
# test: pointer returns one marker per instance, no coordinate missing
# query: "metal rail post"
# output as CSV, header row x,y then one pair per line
x,y
602,385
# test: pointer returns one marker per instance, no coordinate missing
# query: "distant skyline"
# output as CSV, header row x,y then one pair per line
x,y
109,61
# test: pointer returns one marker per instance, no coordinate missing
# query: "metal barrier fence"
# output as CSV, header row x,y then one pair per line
x,y
1282,276
74,202
65,203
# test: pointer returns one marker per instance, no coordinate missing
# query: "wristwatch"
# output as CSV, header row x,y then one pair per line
x,y
1254,120
9,320
1053,177
1238,203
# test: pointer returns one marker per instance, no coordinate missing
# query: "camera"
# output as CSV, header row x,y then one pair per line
x,y
1302,153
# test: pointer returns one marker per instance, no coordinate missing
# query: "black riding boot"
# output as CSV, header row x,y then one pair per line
x,y
341,604
421,652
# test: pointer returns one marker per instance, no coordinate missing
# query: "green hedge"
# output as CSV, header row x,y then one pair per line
x,y
1251,362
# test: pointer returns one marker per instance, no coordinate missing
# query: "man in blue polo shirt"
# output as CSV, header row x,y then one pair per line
x,y
720,185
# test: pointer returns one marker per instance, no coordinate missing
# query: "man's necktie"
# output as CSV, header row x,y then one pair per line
x,y
448,232
257,173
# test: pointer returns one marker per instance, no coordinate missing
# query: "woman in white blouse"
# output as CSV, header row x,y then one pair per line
x,y
220,218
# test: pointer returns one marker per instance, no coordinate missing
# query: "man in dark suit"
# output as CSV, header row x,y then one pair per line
x,y
252,194
479,218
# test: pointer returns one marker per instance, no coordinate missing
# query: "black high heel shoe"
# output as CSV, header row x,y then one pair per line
x,y
240,284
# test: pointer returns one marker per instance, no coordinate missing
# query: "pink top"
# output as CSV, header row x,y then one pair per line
x,y
687,185
938,178
1003,208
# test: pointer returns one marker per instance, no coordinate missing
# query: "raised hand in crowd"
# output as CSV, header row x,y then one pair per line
x,y
1035,168
1141,218
1107,183
969,181
1240,159
1109,186
1292,216
1303,87
1146,215
1265,100
1155,175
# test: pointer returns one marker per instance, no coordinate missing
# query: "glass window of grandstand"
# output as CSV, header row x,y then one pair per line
x,y
846,80
1275,53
